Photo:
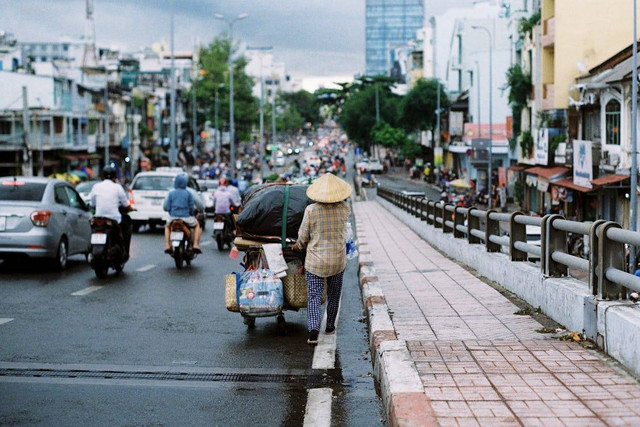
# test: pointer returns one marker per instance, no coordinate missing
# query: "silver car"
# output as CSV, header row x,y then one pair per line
x,y
42,218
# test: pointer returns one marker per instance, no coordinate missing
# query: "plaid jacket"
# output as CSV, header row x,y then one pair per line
x,y
323,234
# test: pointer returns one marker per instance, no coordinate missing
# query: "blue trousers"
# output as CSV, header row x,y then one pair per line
x,y
315,288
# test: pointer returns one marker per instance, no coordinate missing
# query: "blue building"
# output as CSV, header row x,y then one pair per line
x,y
389,23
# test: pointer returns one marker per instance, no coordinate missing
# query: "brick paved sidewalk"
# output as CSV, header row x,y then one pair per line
x,y
481,364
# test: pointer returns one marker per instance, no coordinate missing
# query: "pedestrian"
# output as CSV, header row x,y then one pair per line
x,y
323,234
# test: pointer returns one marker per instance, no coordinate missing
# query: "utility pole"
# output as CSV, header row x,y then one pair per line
x,y
490,168
194,121
106,123
217,138
27,155
172,108
129,119
232,125
633,214
261,50
478,102
273,112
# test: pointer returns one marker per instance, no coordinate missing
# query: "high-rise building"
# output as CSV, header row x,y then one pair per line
x,y
389,23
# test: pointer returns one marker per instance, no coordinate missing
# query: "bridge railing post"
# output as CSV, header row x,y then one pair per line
x,y
556,240
473,223
458,219
517,233
492,228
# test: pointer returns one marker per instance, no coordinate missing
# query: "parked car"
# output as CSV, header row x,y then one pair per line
x,y
42,218
148,191
280,160
84,188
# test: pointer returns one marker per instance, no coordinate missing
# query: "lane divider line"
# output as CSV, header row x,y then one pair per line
x,y
5,320
318,410
324,355
206,243
145,268
87,291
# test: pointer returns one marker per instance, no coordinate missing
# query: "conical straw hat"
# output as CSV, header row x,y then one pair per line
x,y
329,189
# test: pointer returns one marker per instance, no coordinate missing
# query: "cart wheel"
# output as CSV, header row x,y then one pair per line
x,y
282,325
249,321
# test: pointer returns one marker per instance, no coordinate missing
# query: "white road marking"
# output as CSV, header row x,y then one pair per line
x,y
324,355
318,410
5,320
206,243
87,290
145,268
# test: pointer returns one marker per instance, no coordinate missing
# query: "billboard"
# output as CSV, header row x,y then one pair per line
x,y
541,148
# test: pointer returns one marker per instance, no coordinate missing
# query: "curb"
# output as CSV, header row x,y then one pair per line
x,y
401,389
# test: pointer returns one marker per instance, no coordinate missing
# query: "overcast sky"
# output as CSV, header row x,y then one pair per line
x,y
319,40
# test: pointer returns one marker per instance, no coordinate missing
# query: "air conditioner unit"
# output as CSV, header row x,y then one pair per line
x,y
614,159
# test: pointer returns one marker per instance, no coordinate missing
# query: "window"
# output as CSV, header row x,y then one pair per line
x,y
12,189
612,122
61,195
74,198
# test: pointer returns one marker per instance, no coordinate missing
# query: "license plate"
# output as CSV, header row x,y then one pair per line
x,y
175,243
3,223
98,239
218,225
156,202
177,235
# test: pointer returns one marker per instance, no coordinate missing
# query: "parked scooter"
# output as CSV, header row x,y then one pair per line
x,y
107,248
223,230
181,243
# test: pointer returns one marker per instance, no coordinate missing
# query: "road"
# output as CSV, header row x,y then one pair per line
x,y
156,346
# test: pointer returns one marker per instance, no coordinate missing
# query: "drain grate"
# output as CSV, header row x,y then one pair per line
x,y
315,379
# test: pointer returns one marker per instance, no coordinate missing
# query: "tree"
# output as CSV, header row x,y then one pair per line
x,y
520,86
418,109
214,76
359,113
305,104
388,136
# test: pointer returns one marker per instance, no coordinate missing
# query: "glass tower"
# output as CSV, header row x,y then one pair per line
x,y
389,23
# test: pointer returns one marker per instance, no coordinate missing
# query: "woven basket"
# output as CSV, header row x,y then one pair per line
x,y
230,298
295,290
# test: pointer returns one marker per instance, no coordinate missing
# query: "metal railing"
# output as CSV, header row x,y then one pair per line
x,y
506,232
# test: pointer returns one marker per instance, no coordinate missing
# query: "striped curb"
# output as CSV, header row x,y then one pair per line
x,y
401,389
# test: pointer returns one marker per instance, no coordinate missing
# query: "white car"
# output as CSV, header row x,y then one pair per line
x,y
147,193
373,166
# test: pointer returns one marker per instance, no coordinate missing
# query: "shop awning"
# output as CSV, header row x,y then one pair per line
x,y
515,168
568,183
608,179
550,173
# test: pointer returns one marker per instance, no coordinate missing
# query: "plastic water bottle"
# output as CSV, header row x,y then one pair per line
x,y
352,246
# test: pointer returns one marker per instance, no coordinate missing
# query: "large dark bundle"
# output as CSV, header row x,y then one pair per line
x,y
262,208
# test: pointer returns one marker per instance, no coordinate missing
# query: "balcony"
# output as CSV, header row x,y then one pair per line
x,y
549,32
548,96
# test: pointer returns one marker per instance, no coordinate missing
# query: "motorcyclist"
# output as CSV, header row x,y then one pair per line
x,y
107,197
223,200
181,204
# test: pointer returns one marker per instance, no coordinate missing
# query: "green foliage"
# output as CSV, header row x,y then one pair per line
x,y
358,115
526,25
418,109
305,104
519,85
388,136
410,149
215,78
526,144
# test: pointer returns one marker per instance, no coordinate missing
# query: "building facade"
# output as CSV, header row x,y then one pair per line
x,y
389,23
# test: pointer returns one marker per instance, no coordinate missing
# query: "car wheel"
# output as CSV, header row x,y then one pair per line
x,y
62,255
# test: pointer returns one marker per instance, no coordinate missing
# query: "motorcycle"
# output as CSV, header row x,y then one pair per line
x,y
181,243
107,248
223,230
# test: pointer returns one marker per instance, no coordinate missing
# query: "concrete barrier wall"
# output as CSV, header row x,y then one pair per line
x,y
562,299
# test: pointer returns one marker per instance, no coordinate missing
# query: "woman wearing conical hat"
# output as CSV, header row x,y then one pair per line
x,y
323,235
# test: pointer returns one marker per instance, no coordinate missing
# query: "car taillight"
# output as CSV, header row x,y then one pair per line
x,y
131,199
99,222
40,218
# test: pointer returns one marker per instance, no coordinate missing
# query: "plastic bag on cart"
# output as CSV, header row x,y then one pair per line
x,y
260,293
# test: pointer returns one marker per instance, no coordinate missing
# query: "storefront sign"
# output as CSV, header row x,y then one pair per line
x,y
560,155
543,185
541,149
582,166
502,177
532,181
91,143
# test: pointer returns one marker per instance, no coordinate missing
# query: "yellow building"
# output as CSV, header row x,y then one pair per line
x,y
577,35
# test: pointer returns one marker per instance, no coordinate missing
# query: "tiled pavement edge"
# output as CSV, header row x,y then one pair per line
x,y
447,348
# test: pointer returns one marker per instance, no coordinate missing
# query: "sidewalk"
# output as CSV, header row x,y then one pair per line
x,y
477,362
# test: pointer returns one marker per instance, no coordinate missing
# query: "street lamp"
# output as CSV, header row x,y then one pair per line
x,y
633,214
478,102
261,50
490,169
232,129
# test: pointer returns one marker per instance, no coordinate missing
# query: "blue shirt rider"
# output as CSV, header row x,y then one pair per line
x,y
182,204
